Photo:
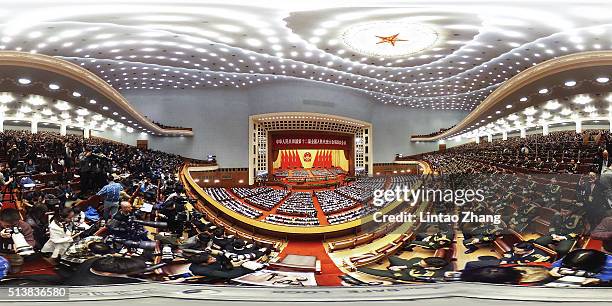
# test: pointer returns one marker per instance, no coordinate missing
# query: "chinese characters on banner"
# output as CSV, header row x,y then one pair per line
x,y
310,141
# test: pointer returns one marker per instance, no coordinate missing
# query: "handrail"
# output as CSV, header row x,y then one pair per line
x,y
324,229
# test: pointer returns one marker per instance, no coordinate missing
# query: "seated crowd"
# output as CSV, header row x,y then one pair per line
x,y
321,172
555,225
127,216
249,192
292,221
227,200
299,173
347,216
332,202
267,200
362,190
298,204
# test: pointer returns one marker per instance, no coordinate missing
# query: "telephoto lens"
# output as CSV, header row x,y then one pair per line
x,y
153,224
145,245
20,244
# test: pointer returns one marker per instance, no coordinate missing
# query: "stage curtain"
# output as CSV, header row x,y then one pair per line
x,y
347,154
275,155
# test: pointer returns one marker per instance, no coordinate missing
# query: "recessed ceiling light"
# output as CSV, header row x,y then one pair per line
x,y
543,91
582,99
570,83
509,106
105,107
54,86
76,94
62,105
602,80
523,99
24,81
92,101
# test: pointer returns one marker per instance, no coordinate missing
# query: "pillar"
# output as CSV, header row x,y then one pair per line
x,y
34,126
523,133
545,129
86,133
477,138
505,135
63,127
489,137
578,126
1,123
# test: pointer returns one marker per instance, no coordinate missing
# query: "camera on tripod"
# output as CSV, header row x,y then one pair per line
x,y
188,216
20,244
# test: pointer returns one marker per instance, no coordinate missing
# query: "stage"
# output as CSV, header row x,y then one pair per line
x,y
313,178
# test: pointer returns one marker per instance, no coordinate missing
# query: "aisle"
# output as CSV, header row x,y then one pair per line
x,y
320,214
329,272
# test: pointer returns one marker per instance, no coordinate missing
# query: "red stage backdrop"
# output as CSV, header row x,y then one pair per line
x,y
315,140
289,140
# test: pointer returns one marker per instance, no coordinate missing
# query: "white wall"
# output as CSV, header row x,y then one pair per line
x,y
219,117
41,128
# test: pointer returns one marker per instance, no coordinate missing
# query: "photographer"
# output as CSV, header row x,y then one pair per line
x,y
85,171
5,178
126,225
100,167
38,220
6,185
111,193
10,222
60,234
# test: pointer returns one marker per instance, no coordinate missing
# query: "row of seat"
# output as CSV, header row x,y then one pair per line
x,y
379,254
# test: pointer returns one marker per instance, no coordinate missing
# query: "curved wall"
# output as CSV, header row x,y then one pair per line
x,y
219,117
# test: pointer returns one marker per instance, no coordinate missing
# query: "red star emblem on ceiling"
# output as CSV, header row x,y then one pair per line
x,y
389,39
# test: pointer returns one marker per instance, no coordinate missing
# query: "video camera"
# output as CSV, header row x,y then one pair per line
x,y
189,216
132,228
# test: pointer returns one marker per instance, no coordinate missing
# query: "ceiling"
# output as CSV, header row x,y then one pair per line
x,y
37,88
448,55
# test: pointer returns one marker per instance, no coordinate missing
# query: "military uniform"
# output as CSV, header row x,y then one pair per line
x,y
434,242
483,234
529,188
552,195
522,218
569,227
536,255
412,272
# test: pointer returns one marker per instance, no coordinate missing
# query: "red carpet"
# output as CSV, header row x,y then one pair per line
x,y
320,214
36,266
329,272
